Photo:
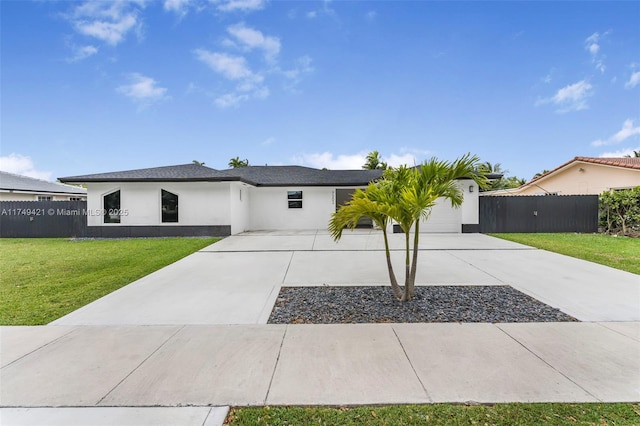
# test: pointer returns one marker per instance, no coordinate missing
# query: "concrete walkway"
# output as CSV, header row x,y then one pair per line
x,y
193,336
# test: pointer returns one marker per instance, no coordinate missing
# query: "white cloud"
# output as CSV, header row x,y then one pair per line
x,y
249,84
22,165
371,15
230,100
570,98
231,67
330,161
242,5
82,52
620,153
178,6
628,130
109,21
350,162
251,39
592,45
302,66
142,89
268,141
634,80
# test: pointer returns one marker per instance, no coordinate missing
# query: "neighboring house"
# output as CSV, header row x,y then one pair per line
x,y
582,176
192,199
23,188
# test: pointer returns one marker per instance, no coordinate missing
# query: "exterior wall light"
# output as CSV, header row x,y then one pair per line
x,y
470,188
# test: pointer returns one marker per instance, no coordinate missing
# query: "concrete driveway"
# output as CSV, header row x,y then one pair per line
x,y
236,280
175,346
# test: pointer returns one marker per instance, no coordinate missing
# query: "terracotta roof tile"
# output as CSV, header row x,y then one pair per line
x,y
624,162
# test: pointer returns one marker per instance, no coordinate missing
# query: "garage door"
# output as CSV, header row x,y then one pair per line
x,y
443,218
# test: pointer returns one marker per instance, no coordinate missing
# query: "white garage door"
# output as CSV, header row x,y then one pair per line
x,y
443,218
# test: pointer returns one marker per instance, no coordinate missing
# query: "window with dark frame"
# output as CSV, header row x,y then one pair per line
x,y
295,199
169,207
112,207
44,198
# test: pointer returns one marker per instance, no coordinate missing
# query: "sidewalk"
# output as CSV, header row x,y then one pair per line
x,y
190,339
169,366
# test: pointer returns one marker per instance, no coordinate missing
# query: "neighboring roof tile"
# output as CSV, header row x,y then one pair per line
x,y
626,162
623,162
183,172
12,182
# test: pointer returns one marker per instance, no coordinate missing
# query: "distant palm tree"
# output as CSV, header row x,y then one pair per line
x,y
636,154
487,168
374,162
537,175
236,162
198,163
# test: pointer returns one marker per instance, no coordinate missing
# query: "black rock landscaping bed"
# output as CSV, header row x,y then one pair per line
x,y
369,304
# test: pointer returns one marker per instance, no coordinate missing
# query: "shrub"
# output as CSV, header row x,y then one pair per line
x,y
620,211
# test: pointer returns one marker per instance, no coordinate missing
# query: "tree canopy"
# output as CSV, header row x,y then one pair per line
x,y
374,162
236,162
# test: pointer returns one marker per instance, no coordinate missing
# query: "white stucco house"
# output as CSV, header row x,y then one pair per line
x,y
23,188
191,199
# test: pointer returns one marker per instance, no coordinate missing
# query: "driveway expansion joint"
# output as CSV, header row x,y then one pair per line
x,y
140,364
547,363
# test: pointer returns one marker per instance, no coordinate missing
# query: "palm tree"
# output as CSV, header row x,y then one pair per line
x,y
373,203
406,196
374,162
198,163
636,154
236,162
434,179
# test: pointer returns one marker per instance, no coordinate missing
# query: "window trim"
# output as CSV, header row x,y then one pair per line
x,y
162,205
295,199
104,208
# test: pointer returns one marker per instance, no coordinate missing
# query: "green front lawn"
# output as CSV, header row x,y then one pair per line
x,y
618,252
441,414
44,279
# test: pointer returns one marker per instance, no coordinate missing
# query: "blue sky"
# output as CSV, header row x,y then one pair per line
x,y
97,86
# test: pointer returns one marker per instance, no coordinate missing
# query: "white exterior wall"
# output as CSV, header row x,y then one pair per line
x,y
31,196
240,204
445,218
269,209
471,204
199,203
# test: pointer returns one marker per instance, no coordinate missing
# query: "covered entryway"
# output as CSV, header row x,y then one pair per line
x,y
342,197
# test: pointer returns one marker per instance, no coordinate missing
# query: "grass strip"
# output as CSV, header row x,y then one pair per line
x,y
440,414
43,279
617,252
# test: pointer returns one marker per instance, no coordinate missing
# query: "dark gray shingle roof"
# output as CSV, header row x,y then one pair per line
x,y
254,175
12,182
183,172
303,176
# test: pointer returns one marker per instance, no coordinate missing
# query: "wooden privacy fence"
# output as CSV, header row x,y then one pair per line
x,y
539,213
43,219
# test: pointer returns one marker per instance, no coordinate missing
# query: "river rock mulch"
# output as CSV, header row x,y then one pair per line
x,y
376,304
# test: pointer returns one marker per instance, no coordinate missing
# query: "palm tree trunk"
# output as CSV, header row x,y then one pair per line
x,y
397,291
407,265
414,265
